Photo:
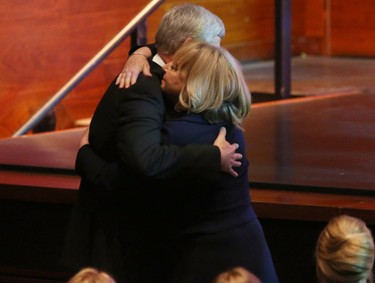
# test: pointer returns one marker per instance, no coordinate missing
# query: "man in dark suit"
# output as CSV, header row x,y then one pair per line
x,y
125,152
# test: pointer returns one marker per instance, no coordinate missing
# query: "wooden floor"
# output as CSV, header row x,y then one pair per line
x,y
314,75
322,140
326,142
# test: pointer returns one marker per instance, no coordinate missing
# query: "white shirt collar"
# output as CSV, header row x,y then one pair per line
x,y
157,59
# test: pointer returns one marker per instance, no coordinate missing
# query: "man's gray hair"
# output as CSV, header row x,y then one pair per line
x,y
184,21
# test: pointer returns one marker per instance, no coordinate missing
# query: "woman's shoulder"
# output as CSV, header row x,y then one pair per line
x,y
194,128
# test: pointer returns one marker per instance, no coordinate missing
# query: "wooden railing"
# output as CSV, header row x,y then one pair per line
x,y
136,27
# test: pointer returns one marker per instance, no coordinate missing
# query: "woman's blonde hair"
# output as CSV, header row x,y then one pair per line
x,y
345,251
91,275
215,85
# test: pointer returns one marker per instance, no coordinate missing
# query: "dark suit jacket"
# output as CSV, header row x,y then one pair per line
x,y
124,154
125,132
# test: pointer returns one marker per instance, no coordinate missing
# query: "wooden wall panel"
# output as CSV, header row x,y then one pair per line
x,y
352,28
309,27
249,25
333,28
44,43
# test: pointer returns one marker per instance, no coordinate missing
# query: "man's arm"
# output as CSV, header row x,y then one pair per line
x,y
138,113
139,139
112,175
97,172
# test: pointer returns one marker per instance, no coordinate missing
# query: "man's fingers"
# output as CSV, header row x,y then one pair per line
x,y
229,157
236,164
220,139
233,173
222,133
237,156
233,147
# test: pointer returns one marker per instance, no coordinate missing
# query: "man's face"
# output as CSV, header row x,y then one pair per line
x,y
173,81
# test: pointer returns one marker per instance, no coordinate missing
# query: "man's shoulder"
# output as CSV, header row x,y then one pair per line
x,y
156,69
149,84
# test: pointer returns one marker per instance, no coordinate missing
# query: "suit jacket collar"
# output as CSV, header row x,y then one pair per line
x,y
156,69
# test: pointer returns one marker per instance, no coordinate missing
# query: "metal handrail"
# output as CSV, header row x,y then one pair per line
x,y
80,75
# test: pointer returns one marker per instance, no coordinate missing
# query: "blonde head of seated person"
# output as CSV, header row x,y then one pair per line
x,y
237,275
345,252
91,275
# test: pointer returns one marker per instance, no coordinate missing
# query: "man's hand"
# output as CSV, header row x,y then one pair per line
x,y
85,138
136,63
229,157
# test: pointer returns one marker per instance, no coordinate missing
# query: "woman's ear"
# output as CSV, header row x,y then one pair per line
x,y
188,39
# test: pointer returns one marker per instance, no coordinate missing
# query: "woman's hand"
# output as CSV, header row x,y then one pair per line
x,y
136,63
229,157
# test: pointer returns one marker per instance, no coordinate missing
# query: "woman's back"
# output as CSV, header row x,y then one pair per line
x,y
215,206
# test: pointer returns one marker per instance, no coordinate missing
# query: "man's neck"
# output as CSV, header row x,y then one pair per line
x,y
167,58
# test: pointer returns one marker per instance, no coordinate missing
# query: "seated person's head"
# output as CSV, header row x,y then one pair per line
x,y
237,275
188,21
207,79
345,252
91,275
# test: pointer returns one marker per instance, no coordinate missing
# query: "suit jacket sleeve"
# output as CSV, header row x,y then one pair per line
x,y
98,172
138,137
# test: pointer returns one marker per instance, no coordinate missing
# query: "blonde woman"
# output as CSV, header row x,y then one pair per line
x,y
91,275
345,252
217,226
